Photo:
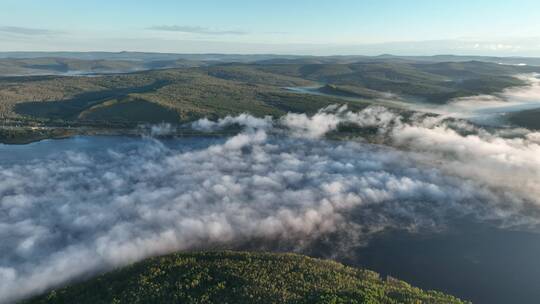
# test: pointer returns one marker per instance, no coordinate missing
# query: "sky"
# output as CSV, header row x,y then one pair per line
x,y
370,27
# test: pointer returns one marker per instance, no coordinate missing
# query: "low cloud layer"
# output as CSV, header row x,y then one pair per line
x,y
244,120
458,147
78,212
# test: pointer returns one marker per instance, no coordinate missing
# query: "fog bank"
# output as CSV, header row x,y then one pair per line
x,y
79,212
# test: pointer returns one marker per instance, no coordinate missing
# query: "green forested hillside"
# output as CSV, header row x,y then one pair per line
x,y
185,94
529,119
432,82
241,277
190,93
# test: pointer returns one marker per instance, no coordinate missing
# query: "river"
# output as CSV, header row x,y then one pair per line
x,y
489,110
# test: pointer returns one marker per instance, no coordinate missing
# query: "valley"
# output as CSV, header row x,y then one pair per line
x,y
266,87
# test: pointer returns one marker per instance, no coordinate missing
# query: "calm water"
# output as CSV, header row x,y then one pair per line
x,y
470,260
14,154
475,262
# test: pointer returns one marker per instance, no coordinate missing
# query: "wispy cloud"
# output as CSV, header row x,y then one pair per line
x,y
195,30
27,31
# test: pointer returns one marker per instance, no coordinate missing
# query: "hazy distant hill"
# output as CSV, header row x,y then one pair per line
x,y
235,277
73,63
142,56
75,67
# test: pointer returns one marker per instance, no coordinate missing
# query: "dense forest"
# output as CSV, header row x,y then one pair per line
x,y
241,277
216,89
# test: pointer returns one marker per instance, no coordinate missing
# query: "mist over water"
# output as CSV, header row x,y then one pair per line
x,y
487,110
89,204
491,109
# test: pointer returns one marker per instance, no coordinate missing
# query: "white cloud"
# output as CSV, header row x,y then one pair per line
x,y
76,213
244,120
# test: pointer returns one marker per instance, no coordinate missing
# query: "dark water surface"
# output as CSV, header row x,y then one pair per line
x,y
472,261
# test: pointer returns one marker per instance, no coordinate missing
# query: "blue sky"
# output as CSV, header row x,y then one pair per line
x,y
492,27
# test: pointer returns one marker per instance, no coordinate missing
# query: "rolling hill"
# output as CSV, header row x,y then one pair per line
x,y
257,85
240,277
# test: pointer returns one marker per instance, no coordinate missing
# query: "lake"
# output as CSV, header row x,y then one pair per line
x,y
112,200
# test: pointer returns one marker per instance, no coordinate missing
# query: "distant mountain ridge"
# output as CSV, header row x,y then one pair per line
x,y
85,63
149,56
